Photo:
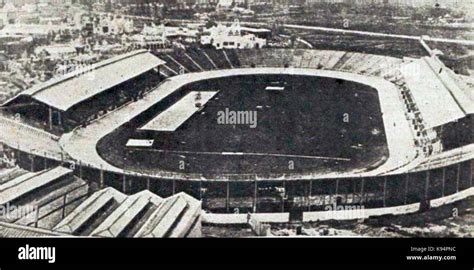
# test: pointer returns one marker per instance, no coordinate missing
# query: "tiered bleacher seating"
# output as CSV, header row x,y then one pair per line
x,y
121,221
305,60
369,62
352,63
344,58
377,64
277,58
200,58
334,59
325,57
167,71
7,174
195,60
250,58
171,60
110,213
10,230
93,210
227,58
233,58
22,125
72,192
298,58
170,65
57,201
183,59
313,58
427,141
209,59
218,58
162,222
38,198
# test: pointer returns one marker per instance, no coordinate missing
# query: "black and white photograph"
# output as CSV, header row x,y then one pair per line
x,y
317,121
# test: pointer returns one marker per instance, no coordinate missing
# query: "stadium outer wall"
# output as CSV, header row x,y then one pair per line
x,y
313,200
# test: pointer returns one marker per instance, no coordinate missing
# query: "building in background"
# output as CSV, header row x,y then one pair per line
x,y
232,37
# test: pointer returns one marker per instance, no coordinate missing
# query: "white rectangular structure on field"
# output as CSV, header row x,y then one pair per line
x,y
139,143
173,117
275,88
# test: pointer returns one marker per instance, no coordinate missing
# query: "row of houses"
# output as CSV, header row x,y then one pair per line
x,y
219,36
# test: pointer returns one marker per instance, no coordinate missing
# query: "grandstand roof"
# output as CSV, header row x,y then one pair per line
x,y
126,213
25,186
68,90
461,92
435,99
162,223
90,207
8,230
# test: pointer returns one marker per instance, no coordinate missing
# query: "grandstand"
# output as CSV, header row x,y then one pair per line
x,y
110,213
207,59
8,173
202,59
442,107
10,230
40,198
80,96
19,134
54,203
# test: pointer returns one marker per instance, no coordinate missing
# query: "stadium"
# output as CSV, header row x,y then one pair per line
x,y
394,135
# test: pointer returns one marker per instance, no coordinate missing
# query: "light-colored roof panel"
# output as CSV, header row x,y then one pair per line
x,y
121,217
88,208
73,88
173,117
169,205
17,180
8,230
459,91
22,188
169,218
433,99
83,216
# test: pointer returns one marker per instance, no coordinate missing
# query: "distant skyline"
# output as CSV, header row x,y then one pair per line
x,y
468,4
22,2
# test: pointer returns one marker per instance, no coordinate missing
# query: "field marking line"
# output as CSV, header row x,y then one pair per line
x,y
243,154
